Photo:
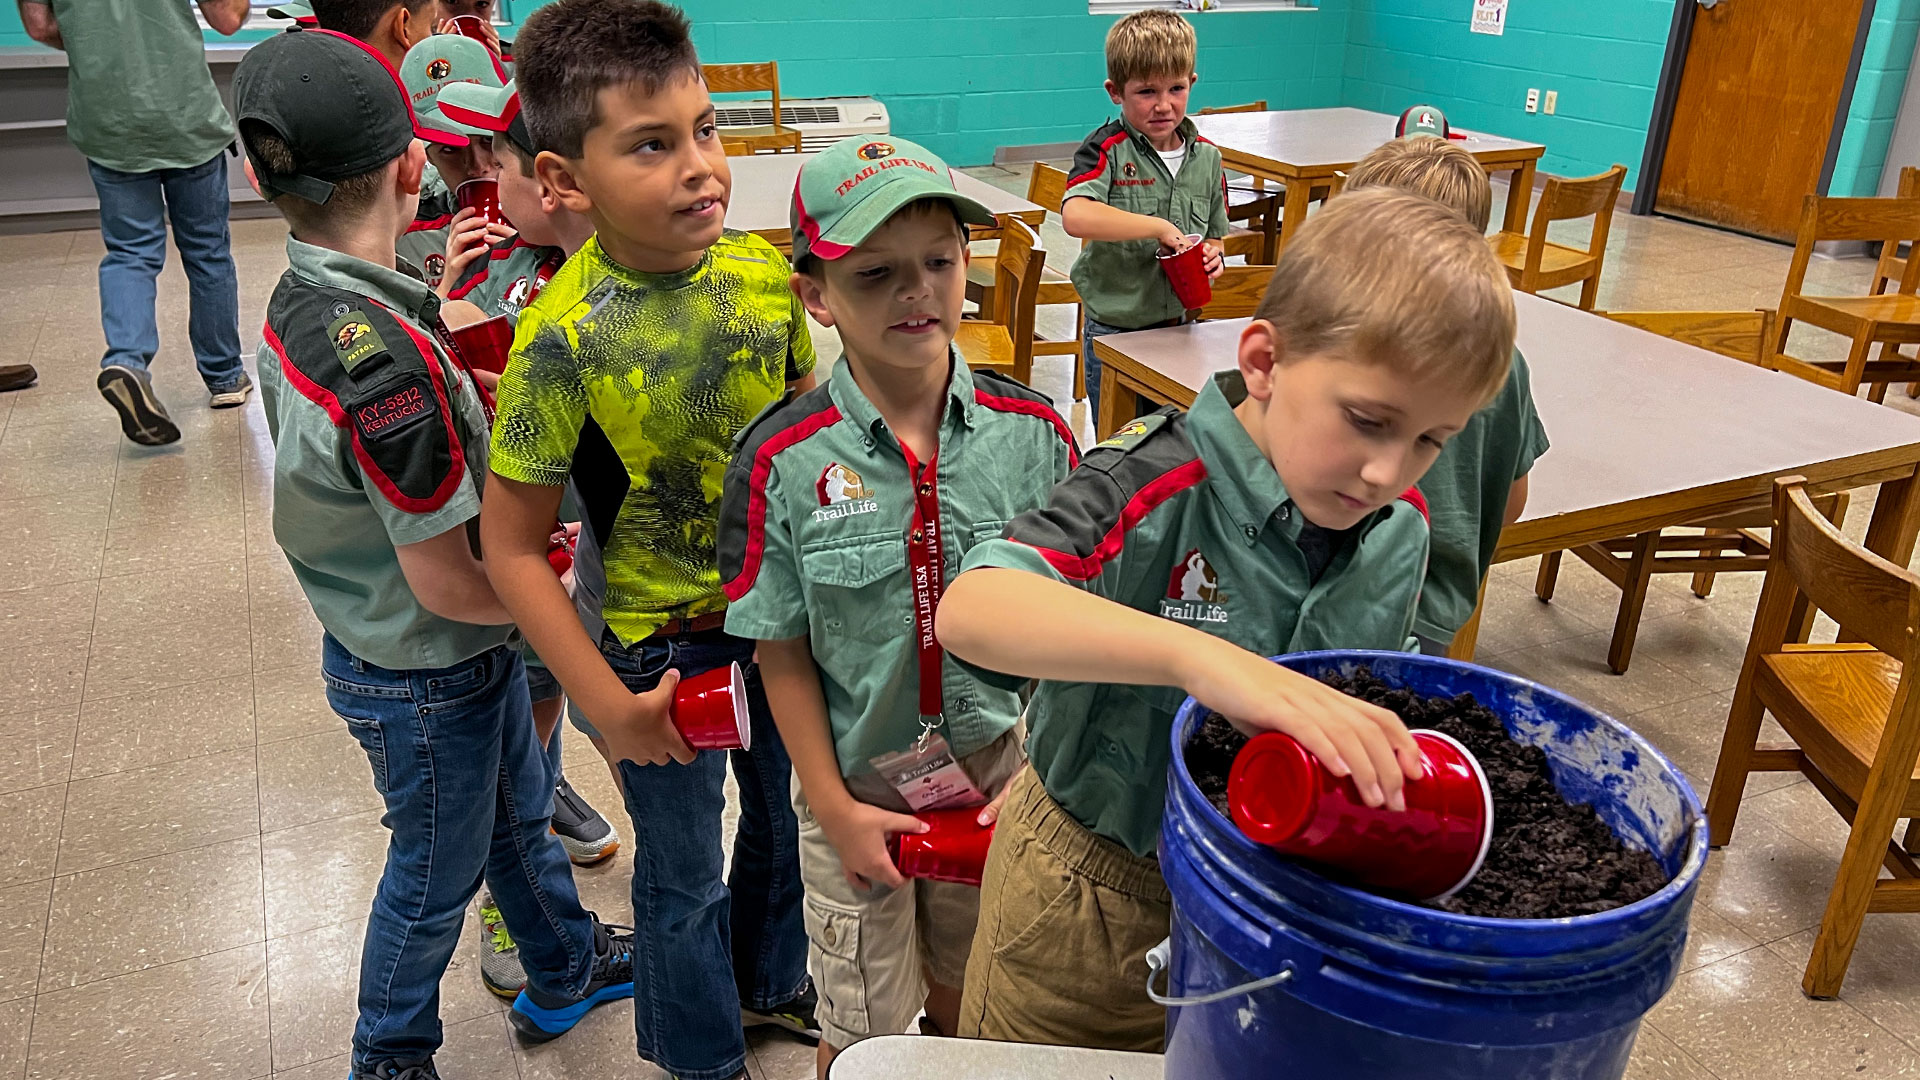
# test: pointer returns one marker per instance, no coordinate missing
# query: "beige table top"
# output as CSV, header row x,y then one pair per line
x,y
763,194
921,1057
1645,431
1318,142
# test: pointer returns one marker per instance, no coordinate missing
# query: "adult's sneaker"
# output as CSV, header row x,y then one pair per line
x,y
397,1070
233,398
541,1017
500,966
586,835
142,417
796,1016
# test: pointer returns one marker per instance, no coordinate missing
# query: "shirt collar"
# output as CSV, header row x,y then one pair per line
x,y
1241,477
873,428
394,288
1187,131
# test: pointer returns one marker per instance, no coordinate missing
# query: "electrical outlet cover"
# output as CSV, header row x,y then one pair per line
x,y
1553,101
1533,101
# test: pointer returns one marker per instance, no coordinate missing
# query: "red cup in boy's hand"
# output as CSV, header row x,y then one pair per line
x,y
1186,271
485,345
475,27
710,710
482,196
954,847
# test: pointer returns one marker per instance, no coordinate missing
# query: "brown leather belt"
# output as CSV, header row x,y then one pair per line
x,y
699,624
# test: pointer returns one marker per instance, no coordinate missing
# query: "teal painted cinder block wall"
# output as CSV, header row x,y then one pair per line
x,y
1884,67
1603,57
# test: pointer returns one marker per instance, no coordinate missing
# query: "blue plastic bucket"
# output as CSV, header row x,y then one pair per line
x,y
1277,971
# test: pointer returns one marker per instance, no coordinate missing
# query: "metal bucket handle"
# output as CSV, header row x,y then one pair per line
x,y
1160,958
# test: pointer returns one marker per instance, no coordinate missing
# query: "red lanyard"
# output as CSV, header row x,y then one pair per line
x,y
928,574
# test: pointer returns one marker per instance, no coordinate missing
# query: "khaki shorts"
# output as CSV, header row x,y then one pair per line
x,y
1066,919
871,952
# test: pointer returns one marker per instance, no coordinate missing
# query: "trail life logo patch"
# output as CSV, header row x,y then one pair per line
x,y
354,339
517,294
1193,592
436,268
842,494
439,68
874,151
1130,169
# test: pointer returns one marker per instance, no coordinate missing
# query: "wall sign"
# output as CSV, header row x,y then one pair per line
x,y
1489,17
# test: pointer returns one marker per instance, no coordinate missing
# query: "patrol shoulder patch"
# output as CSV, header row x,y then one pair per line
x,y
354,338
1133,432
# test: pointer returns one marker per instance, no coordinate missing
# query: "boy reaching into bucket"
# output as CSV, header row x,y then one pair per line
x,y
845,509
1276,516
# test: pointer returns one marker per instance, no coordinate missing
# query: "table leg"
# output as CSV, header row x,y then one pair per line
x,y
1896,518
1294,213
1519,194
1118,404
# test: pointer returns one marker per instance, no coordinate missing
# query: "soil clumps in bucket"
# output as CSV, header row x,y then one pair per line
x,y
1549,859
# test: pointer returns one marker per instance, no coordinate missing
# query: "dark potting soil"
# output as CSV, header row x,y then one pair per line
x,y
1549,858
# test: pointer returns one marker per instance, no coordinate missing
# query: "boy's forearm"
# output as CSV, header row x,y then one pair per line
x,y
1090,219
37,17
1023,624
799,708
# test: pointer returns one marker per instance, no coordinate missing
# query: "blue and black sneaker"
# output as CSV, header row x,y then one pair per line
x,y
540,1017
396,1070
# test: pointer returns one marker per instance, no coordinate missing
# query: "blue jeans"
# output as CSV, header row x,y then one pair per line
x,y
134,211
469,791
703,948
1094,329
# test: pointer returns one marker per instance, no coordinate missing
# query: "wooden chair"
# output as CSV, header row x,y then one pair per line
x,y
749,79
1003,336
1237,292
736,148
1731,542
1892,267
1046,187
1887,320
1251,204
1852,710
1534,263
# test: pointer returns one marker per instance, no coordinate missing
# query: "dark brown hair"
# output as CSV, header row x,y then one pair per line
x,y
570,50
351,198
357,18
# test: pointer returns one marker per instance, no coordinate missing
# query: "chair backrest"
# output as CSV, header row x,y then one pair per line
x,y
1891,221
1251,106
1047,187
1016,286
1891,266
1237,292
1739,334
1588,196
745,79
1875,600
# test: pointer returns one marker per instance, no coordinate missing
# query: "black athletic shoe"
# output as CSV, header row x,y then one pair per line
x,y
142,417
586,835
795,1016
397,1070
540,1018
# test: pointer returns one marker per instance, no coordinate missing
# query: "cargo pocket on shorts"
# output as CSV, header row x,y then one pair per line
x,y
834,932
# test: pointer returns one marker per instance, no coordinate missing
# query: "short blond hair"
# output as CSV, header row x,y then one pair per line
x,y
1440,170
1148,43
1383,276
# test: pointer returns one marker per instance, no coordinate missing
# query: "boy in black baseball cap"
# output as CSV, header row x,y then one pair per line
x,y
380,445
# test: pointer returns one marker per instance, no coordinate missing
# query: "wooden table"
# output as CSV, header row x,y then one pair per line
x,y
1646,432
1303,148
763,196
922,1057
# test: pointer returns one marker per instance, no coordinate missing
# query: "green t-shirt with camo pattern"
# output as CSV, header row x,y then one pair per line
x,y
634,385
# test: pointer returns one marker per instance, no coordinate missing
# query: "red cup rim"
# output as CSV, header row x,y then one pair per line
x,y
1193,241
1486,818
742,724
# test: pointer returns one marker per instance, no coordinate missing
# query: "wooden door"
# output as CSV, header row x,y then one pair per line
x,y
1755,109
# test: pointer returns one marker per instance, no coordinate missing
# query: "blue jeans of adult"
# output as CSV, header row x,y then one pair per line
x,y
469,791
1093,329
134,211
703,948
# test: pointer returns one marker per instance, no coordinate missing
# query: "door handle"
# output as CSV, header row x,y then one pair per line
x,y
1710,4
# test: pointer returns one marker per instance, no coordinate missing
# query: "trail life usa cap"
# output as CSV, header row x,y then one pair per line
x,y
334,101
494,109
851,188
1422,120
440,61
299,11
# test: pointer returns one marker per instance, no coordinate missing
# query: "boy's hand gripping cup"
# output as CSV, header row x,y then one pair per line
x,y
1281,796
954,847
710,710
475,27
1186,271
482,196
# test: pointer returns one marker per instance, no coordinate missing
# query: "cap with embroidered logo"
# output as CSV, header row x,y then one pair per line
x,y
299,11
1422,120
494,109
851,188
333,100
443,60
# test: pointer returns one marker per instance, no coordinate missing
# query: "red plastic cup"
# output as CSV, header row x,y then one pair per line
x,y
710,710
954,847
482,195
1282,797
484,345
1187,272
472,26
560,556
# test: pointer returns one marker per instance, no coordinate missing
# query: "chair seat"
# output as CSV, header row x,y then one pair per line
x,y
983,344
1846,314
1840,698
1559,265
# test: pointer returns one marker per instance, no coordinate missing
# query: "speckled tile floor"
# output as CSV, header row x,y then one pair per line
x,y
189,840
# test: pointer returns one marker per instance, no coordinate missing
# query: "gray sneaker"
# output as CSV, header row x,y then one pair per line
x,y
500,966
142,417
234,398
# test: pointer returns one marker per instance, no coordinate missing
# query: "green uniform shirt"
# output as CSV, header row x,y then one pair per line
x,y
1181,516
1120,281
378,441
1466,492
635,385
424,244
139,95
813,540
508,279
